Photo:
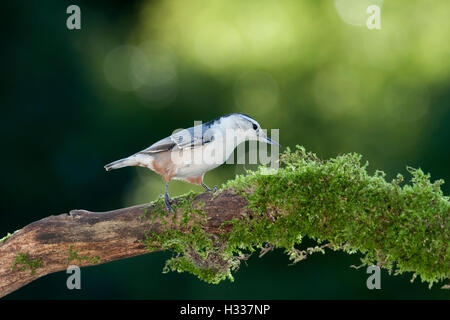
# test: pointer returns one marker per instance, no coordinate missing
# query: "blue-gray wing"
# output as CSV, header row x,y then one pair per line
x,y
184,139
165,144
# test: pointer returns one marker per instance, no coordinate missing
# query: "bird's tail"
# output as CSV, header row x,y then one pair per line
x,y
126,162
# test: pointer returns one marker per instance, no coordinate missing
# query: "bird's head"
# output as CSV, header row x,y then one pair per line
x,y
245,128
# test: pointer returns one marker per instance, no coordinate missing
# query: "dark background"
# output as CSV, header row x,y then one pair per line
x,y
72,101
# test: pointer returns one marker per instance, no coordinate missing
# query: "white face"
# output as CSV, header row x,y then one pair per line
x,y
246,129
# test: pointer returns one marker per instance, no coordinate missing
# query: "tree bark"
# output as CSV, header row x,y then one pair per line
x,y
86,238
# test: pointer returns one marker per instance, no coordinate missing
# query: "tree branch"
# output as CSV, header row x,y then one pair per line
x,y
403,228
86,238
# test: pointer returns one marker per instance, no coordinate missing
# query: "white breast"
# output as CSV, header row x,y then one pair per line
x,y
197,161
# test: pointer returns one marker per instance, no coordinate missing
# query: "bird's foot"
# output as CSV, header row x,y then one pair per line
x,y
208,189
167,202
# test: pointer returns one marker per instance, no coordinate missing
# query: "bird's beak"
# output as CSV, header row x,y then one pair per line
x,y
264,138
270,141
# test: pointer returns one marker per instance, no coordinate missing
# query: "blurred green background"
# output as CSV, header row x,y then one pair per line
x,y
72,101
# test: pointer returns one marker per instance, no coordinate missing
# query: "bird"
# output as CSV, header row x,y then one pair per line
x,y
189,153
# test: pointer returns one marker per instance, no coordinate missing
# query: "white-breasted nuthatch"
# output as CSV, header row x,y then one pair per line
x,y
190,153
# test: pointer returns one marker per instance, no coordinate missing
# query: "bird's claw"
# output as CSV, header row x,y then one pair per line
x,y
208,189
167,202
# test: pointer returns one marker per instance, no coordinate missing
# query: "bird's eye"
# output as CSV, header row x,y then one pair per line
x,y
255,127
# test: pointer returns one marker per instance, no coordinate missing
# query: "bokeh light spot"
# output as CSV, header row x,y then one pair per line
x,y
406,100
256,92
218,54
354,11
118,67
158,75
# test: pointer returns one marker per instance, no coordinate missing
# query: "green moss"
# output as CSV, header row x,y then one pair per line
x,y
402,227
8,235
73,255
25,262
183,203
185,264
158,210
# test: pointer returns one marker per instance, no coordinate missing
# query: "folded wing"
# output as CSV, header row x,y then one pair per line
x,y
184,139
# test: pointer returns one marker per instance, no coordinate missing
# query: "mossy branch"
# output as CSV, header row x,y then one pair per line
x,y
401,227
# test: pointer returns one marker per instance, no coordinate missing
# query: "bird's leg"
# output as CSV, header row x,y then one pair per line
x,y
167,199
208,189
